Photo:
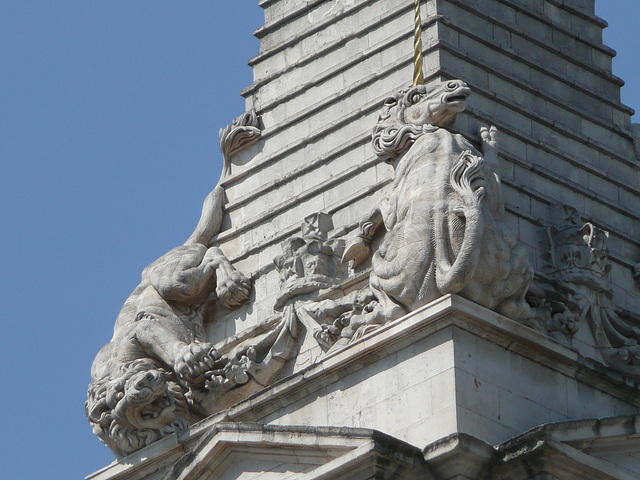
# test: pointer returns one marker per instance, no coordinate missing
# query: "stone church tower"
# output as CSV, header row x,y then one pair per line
x,y
419,262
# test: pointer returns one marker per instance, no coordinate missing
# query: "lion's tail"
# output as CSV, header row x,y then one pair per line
x,y
211,219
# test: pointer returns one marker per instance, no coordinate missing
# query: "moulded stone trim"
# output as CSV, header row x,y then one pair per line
x,y
450,310
609,76
581,13
544,19
321,453
359,140
294,13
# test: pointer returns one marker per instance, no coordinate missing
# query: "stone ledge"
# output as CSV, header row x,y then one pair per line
x,y
272,26
339,453
358,141
328,452
438,315
275,25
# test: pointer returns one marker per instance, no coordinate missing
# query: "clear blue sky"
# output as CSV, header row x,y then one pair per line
x,y
109,113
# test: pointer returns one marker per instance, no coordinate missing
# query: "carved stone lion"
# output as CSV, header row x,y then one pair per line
x,y
145,379
443,218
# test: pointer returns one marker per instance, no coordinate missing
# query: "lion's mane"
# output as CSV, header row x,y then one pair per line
x,y
392,135
112,400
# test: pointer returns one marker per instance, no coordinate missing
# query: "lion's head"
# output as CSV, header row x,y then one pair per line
x,y
409,113
136,406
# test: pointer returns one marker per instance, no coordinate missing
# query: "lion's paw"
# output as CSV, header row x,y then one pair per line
x,y
489,136
233,288
356,250
194,360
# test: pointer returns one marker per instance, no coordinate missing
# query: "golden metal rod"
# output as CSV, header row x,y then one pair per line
x,y
418,78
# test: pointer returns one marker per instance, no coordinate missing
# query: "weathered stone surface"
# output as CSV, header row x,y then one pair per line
x,y
452,214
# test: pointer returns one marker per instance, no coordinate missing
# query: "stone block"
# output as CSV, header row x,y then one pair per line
x,y
502,37
558,16
516,200
586,403
585,6
473,423
443,391
621,119
618,170
511,408
534,28
600,60
558,114
383,33
604,188
465,19
428,430
477,394
500,11
466,353
522,376
425,360
414,404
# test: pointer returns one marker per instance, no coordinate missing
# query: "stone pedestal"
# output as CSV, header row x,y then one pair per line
x,y
451,370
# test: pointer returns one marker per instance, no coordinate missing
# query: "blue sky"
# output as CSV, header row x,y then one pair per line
x,y
109,113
